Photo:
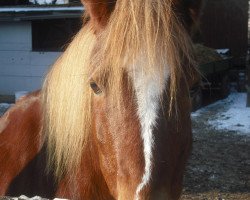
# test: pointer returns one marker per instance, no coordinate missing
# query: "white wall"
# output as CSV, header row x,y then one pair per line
x,y
20,68
15,36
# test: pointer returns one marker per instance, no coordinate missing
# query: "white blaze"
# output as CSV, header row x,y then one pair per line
x,y
148,89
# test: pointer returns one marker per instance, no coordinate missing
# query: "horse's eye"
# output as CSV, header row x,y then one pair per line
x,y
95,88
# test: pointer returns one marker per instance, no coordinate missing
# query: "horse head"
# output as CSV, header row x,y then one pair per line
x,y
116,104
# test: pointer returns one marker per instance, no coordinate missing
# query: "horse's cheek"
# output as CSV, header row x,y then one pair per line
x,y
104,143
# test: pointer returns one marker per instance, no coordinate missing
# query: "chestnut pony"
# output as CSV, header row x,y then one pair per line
x,y
112,119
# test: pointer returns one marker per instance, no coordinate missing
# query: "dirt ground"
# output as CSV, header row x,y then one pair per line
x,y
219,167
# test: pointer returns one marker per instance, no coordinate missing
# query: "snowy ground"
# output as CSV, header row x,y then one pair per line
x,y
219,166
231,114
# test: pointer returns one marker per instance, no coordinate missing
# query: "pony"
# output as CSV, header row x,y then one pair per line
x,y
112,120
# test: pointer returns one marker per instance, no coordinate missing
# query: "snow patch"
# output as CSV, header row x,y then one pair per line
x,y
23,197
48,2
3,108
232,114
20,94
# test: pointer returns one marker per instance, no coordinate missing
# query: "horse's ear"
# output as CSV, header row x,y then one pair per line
x,y
195,7
190,13
99,12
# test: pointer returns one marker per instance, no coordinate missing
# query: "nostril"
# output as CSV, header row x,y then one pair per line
x,y
95,88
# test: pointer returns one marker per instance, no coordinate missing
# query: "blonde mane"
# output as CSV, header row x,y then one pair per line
x,y
135,28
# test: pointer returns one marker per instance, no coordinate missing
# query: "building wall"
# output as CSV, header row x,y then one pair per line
x,y
21,69
224,25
